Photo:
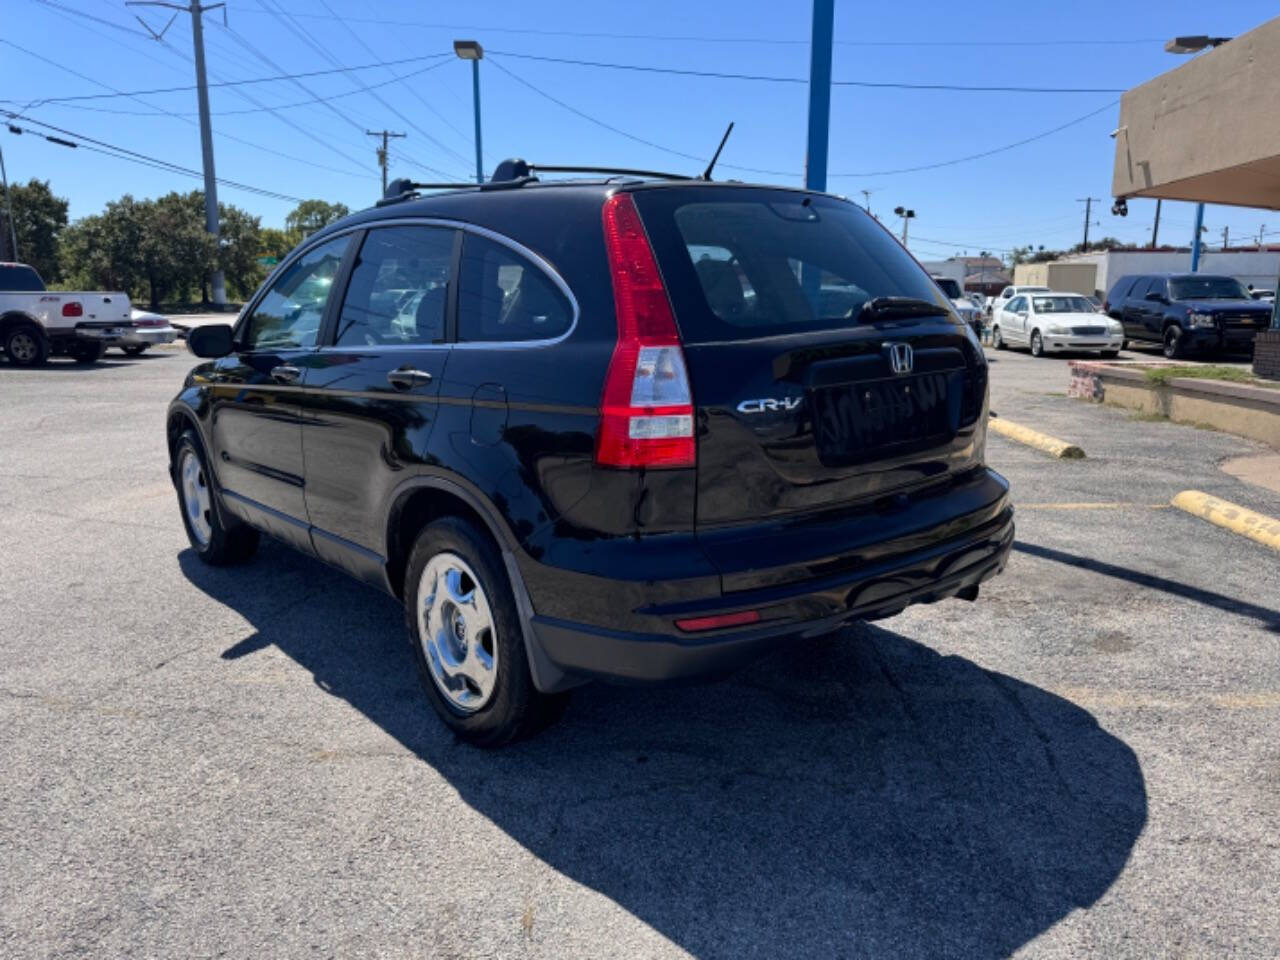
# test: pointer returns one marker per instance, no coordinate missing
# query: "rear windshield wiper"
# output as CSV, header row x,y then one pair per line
x,y
879,308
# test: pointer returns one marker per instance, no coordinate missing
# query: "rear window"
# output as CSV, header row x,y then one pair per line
x,y
749,262
19,278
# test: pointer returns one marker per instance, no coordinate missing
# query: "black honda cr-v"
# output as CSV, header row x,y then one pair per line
x,y
629,428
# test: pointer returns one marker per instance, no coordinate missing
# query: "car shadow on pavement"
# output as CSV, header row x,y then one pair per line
x,y
859,794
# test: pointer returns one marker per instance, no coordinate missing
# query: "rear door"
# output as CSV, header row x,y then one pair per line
x,y
801,406
372,391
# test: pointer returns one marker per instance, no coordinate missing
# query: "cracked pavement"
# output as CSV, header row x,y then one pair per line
x,y
238,762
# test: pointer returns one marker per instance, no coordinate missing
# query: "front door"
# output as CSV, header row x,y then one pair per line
x,y
256,431
372,396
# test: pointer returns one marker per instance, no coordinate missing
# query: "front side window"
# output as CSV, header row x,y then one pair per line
x,y
1017,305
1207,288
398,288
505,298
289,316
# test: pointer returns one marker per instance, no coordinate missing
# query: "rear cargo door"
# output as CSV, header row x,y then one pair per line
x,y
805,404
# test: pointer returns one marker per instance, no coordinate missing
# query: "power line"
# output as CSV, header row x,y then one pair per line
x,y
875,84
123,153
780,41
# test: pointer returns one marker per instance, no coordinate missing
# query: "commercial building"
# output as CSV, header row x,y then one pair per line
x,y
1096,271
974,274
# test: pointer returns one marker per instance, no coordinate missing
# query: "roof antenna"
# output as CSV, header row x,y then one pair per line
x,y
706,174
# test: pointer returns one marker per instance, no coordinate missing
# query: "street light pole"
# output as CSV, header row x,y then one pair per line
x,y
1195,239
815,164
906,216
471,50
217,283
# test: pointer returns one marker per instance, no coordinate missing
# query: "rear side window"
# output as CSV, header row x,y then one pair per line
x,y
19,278
748,262
503,297
398,288
1122,288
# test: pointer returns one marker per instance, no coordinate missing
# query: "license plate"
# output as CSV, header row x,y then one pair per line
x,y
861,421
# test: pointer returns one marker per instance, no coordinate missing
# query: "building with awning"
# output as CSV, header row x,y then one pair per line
x,y
1207,132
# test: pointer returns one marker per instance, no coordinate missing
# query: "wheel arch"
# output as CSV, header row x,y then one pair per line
x,y
13,318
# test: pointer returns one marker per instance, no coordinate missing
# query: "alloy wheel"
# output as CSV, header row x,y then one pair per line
x,y
457,632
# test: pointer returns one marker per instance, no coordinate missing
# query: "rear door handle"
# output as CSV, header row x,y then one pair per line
x,y
406,377
285,374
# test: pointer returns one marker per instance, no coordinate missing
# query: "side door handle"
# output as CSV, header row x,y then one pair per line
x,y
285,374
406,377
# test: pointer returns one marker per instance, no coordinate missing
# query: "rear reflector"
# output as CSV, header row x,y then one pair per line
x,y
647,408
695,624
72,309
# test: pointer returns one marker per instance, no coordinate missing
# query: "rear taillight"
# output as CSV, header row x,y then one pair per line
x,y
647,408
72,309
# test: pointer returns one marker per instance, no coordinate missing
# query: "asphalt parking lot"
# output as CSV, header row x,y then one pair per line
x,y
238,762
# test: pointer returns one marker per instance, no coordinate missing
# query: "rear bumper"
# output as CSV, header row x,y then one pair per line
x,y
795,610
148,336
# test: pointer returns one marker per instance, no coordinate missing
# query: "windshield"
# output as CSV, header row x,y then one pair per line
x,y
1207,288
1062,305
751,262
949,287
19,278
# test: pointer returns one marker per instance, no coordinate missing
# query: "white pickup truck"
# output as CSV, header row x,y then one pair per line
x,y
36,323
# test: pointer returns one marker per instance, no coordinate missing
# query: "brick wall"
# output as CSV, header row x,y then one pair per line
x,y
1266,355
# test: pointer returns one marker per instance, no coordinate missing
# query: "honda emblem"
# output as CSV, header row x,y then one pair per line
x,y
900,357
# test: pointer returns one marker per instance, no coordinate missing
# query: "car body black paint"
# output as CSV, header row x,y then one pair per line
x,y
766,520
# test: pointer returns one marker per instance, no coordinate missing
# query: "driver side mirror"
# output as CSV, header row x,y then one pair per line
x,y
213,340
1156,297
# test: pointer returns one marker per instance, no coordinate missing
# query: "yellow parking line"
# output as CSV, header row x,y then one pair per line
x,y
1033,438
1256,526
1093,506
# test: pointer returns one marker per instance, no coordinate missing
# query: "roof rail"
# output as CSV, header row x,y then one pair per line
x,y
616,171
405,189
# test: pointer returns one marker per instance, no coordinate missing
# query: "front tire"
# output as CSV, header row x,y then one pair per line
x,y
1173,348
466,636
997,340
1037,344
217,540
25,345
135,350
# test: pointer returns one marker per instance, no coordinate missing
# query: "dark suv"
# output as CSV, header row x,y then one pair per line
x,y
623,428
1186,312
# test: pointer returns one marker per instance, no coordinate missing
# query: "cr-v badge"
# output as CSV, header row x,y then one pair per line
x,y
768,405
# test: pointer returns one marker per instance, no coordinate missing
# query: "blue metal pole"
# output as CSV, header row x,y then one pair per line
x,y
1195,240
475,95
815,167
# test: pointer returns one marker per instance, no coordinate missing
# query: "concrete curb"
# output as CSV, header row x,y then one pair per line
x,y
1032,438
1256,526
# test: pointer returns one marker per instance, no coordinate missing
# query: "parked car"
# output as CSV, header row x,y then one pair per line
x,y
1186,312
969,313
1095,302
1008,293
627,428
36,323
1054,322
147,330
1262,293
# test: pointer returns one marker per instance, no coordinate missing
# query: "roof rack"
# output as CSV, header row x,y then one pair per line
x,y
511,174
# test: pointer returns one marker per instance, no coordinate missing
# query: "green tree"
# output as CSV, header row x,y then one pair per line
x,y
104,251
310,215
38,219
275,243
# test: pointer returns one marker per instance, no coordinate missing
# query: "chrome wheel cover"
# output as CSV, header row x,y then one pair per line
x,y
22,346
196,502
457,633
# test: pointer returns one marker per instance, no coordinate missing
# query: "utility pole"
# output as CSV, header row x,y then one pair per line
x,y
1088,208
8,203
1155,230
1226,234
217,283
866,200
382,151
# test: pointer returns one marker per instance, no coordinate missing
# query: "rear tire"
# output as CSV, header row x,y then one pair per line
x,y
467,639
1173,348
90,352
136,350
26,346
217,540
1037,344
997,340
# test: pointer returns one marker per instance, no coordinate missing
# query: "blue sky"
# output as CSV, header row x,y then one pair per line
x,y
1023,195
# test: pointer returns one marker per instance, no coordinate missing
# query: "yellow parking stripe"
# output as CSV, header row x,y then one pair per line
x,y
1256,526
1033,438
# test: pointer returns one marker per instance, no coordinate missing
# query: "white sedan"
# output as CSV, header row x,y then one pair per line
x,y
148,330
1050,322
